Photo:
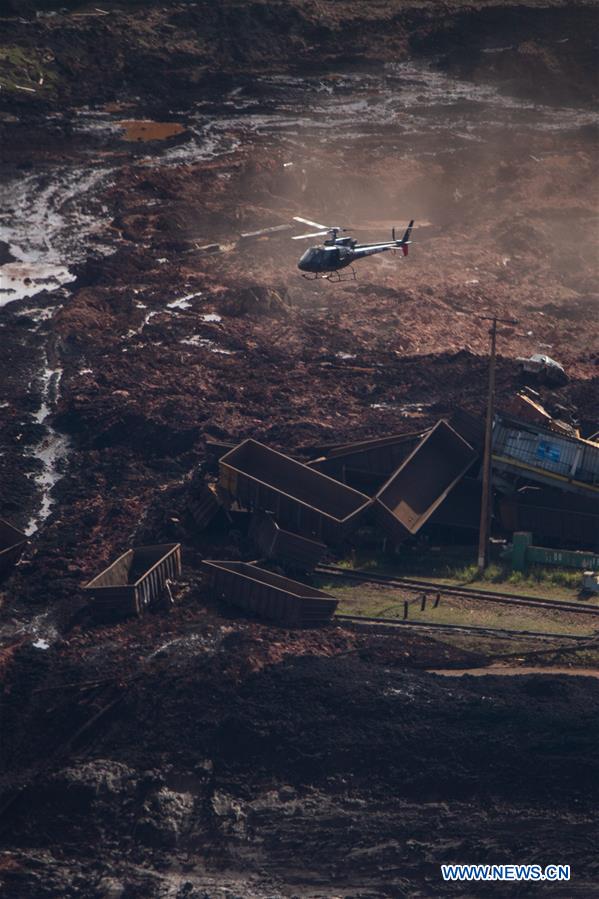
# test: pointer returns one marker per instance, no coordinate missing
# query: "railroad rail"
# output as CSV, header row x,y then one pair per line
x,y
463,592
391,624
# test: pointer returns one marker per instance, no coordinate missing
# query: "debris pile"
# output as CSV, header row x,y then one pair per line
x,y
276,510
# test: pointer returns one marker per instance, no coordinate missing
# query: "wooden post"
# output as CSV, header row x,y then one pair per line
x,y
485,505
405,609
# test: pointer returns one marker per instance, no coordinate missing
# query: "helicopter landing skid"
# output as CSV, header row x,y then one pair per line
x,y
332,277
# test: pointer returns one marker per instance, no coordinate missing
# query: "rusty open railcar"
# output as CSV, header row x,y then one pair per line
x,y
305,501
274,542
419,486
268,595
134,581
554,517
366,464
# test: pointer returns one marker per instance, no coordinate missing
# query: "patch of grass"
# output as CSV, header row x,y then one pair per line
x,y
25,67
380,601
455,566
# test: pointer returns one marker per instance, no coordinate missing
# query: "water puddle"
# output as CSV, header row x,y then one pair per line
x,y
146,130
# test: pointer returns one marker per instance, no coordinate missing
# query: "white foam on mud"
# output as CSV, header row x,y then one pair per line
x,y
40,628
196,340
37,314
183,302
50,451
48,223
41,644
406,99
22,279
179,304
133,332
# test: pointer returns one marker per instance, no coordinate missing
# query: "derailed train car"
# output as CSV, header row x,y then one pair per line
x,y
274,542
419,486
268,595
134,581
366,464
305,501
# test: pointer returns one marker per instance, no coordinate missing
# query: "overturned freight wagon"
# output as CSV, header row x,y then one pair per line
x,y
366,464
275,542
422,482
269,595
136,580
303,500
12,544
553,516
457,518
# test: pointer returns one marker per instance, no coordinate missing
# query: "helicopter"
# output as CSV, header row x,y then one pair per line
x,y
336,253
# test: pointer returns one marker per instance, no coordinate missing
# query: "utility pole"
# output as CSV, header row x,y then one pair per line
x,y
485,505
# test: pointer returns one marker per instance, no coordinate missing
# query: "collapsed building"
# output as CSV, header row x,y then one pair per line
x,y
548,483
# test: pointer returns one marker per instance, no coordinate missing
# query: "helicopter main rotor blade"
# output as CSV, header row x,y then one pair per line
x,y
314,234
298,218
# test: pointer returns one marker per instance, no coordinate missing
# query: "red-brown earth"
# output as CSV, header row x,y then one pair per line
x,y
229,755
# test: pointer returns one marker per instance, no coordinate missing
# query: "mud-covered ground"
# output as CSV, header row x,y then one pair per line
x,y
189,755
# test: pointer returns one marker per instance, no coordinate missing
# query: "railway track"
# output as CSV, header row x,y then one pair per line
x,y
461,592
393,624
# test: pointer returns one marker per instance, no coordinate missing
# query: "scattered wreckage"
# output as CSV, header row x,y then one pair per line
x,y
545,480
543,369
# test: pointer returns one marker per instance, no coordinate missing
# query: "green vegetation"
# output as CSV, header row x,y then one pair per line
x,y
388,602
24,67
455,566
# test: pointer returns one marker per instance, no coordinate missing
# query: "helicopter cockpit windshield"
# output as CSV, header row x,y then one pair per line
x,y
320,259
310,260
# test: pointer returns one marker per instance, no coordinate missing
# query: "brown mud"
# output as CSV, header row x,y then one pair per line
x,y
194,755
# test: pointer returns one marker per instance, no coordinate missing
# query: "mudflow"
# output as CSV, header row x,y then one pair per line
x,y
195,755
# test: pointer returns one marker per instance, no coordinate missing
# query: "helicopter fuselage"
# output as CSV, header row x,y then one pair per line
x,y
339,252
326,259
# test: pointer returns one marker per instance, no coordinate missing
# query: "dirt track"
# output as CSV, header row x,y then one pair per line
x,y
480,126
